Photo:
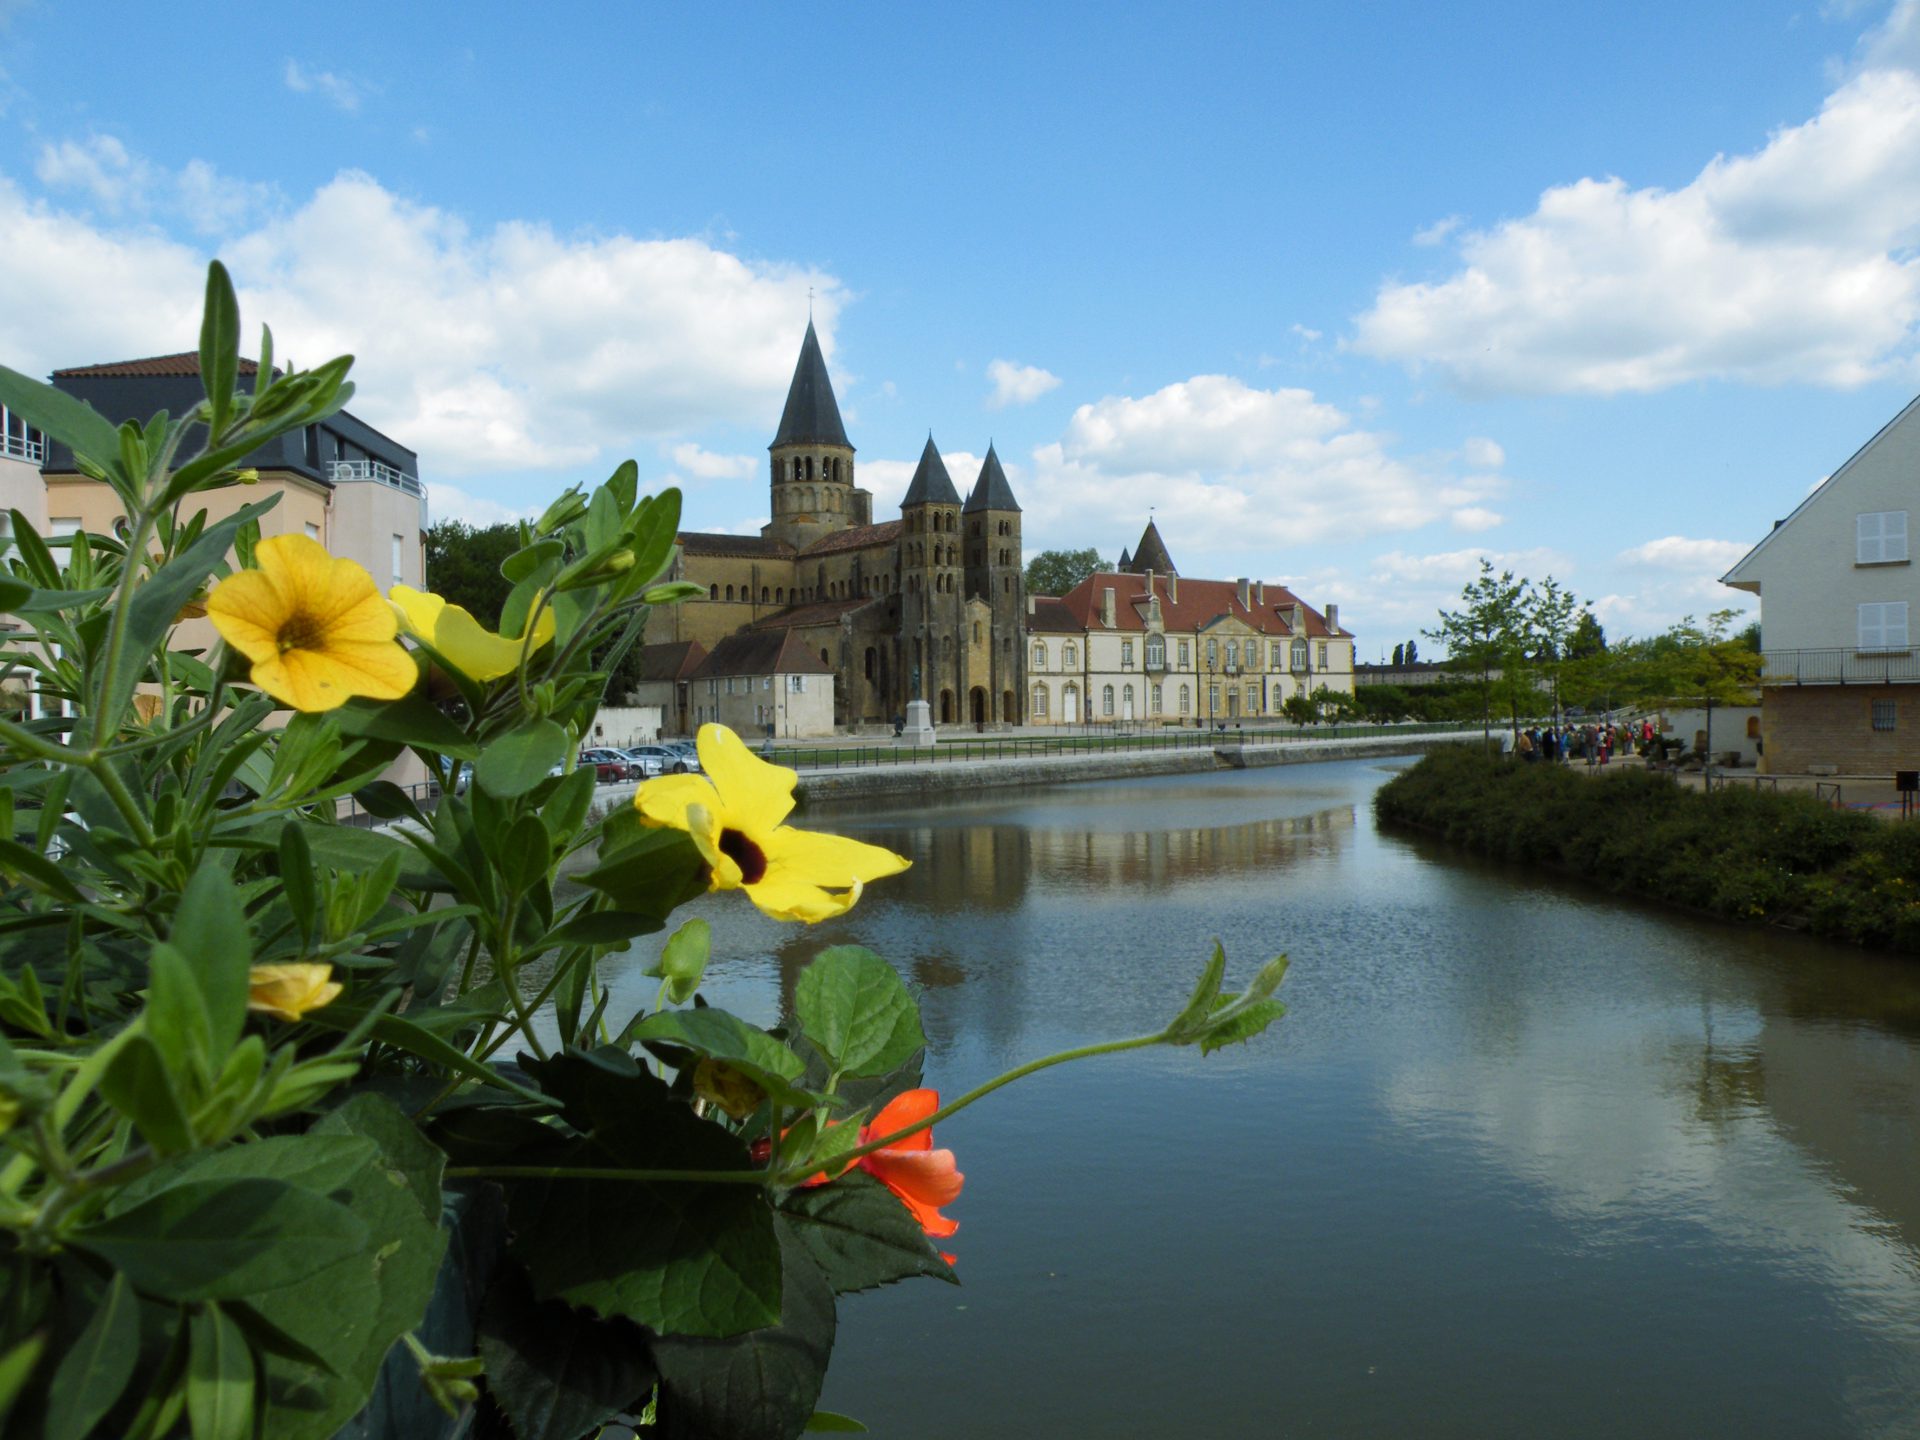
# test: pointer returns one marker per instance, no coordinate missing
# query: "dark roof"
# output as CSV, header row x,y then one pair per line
x,y
1051,616
1125,563
670,660
814,612
931,483
857,538
991,491
697,543
812,416
1200,603
762,652
1149,554
187,362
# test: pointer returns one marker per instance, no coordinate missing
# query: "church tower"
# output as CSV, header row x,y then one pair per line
x,y
813,489
931,571
995,580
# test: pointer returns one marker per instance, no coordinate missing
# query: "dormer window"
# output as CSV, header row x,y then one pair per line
x,y
1880,538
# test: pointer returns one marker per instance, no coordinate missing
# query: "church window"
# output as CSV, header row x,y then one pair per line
x,y
713,592
1006,585
1039,702
809,467
779,594
1186,700
729,592
1039,655
1106,700
1070,655
976,632
763,594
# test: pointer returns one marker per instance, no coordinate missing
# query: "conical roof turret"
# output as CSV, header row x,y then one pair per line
x,y
1149,554
931,483
812,416
991,491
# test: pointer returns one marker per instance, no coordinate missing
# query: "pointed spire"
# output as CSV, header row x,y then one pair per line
x,y
931,483
991,491
812,416
1149,554
1124,565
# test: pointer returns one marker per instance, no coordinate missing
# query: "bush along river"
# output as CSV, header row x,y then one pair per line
x,y
1522,1159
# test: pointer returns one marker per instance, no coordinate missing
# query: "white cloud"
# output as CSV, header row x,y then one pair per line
x,y
1018,384
1792,263
509,347
1306,334
343,91
889,479
124,185
1433,234
1403,593
1475,518
1485,453
449,502
1676,552
1268,467
705,465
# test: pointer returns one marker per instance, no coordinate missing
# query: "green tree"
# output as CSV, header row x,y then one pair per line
x,y
1588,639
1055,572
1413,652
1301,710
1399,651
1489,636
1689,664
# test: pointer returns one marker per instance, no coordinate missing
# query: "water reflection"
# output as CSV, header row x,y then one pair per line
x,y
1521,1160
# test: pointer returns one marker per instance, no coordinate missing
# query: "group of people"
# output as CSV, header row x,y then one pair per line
x,y
1565,743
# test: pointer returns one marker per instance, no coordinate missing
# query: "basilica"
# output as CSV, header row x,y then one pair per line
x,y
927,606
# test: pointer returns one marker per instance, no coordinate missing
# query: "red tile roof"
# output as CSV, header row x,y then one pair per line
x,y
772,652
187,362
670,660
816,612
858,538
1053,617
1200,603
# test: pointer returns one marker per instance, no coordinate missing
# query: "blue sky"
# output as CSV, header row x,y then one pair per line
x,y
1353,293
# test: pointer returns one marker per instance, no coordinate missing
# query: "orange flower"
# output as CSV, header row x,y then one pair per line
x,y
924,1178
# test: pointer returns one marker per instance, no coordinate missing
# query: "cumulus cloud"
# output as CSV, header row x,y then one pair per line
x,y
1474,518
449,502
1440,229
1793,263
1265,466
1404,592
509,347
1677,552
121,184
1018,384
344,92
889,479
705,465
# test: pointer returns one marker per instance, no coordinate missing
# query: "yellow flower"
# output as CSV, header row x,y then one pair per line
x,y
290,991
314,627
459,639
733,813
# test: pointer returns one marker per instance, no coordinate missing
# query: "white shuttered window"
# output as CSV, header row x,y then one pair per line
x,y
1883,625
1880,537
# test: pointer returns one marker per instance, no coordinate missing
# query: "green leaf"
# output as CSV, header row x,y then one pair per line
x,y
600,927
852,1004
414,720
221,1374
524,853
96,1370
219,366
860,1235
417,1040
525,561
557,1373
724,1037
830,1421
520,759
656,528
345,847
43,602
567,808
13,593
16,1369
209,1239
683,960
78,424
138,1085
1200,1004
211,926
758,1386
177,1016
1241,1025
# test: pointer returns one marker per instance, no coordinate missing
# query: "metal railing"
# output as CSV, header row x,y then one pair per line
x,y
1838,666
18,447
374,470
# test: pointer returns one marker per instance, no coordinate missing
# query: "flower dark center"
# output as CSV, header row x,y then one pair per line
x,y
300,632
751,859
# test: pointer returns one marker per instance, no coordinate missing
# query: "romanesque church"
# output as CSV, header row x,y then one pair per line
x,y
928,606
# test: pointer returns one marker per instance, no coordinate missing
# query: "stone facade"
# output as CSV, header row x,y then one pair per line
x,y
1854,729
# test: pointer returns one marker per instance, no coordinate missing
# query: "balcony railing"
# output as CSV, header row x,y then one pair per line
x,y
18,447
374,470
1839,667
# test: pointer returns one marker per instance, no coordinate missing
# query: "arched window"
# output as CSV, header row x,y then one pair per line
x,y
1300,654
869,662
1106,700
779,594
1006,585
1156,653
713,592
976,632
763,594
1039,654
1186,700
1279,698
729,592
798,470
1039,702
1069,655
823,658
1156,700
809,467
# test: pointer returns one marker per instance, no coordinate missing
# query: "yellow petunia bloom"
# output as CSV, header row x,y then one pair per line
x,y
314,627
733,813
290,991
459,639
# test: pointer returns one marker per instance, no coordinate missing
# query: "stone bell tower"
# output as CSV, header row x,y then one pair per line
x,y
812,459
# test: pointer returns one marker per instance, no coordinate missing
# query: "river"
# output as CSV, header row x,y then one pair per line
x,y
1522,1159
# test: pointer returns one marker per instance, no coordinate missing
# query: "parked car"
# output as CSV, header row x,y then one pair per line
x,y
662,759
612,765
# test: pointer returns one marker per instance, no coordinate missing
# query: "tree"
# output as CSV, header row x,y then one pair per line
x,y
1588,638
1413,653
1055,572
1488,636
1301,710
1399,651
1689,664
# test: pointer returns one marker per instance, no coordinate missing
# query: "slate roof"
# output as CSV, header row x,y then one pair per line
x,y
857,538
1201,603
186,363
696,543
761,652
1053,617
931,483
814,612
812,416
991,491
1150,554
1125,562
670,660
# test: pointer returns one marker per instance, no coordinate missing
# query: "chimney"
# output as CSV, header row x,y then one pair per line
x,y
1333,619
1106,607
1149,584
1033,605
1173,586
1259,592
1240,591
1297,619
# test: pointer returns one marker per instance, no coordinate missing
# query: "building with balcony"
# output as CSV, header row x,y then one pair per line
x,y
1840,683
1157,648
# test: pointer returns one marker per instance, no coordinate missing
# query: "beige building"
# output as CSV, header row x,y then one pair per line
x,y
764,683
1157,648
1840,685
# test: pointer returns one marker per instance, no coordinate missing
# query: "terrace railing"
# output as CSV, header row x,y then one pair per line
x,y
1839,666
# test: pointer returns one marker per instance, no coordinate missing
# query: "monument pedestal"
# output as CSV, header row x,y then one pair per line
x,y
919,729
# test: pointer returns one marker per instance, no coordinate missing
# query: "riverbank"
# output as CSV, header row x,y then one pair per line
x,y
1746,855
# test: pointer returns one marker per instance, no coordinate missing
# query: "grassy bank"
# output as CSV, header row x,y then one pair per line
x,y
1741,854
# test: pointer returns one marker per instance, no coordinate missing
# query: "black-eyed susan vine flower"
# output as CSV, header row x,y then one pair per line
x,y
734,814
316,629
459,639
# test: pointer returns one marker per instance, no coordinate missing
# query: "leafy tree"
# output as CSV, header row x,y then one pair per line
x,y
1382,704
1301,710
1489,636
1055,572
1689,664
1413,653
1588,638
1399,652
